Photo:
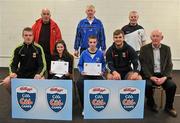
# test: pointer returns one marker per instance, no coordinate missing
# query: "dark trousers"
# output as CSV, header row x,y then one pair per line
x,y
80,86
48,65
170,89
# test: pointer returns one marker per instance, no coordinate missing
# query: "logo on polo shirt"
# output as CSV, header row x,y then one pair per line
x,y
129,97
124,54
26,96
99,97
34,55
97,59
56,97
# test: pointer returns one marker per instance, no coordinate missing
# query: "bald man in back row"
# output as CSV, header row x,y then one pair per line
x,y
46,33
156,64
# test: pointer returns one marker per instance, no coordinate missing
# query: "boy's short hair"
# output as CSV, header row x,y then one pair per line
x,y
92,37
117,32
28,29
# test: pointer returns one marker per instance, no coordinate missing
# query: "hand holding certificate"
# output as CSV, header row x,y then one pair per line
x,y
59,67
94,69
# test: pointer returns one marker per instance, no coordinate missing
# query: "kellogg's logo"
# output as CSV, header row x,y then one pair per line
x,y
129,97
99,97
56,97
26,96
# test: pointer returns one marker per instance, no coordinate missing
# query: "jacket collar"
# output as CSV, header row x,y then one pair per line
x,y
29,45
52,23
87,21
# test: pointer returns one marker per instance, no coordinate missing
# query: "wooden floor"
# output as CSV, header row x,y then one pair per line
x,y
149,117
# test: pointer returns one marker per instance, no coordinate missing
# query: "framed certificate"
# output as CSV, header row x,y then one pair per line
x,y
93,69
59,67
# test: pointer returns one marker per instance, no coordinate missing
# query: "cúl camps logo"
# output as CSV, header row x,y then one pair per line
x,y
99,97
26,96
129,97
56,97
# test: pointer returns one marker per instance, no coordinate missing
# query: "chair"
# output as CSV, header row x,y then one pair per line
x,y
160,94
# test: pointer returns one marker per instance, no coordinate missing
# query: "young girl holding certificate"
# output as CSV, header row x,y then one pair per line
x,y
61,54
90,55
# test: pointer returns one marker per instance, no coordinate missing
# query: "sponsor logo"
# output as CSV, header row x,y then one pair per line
x,y
56,97
99,97
97,59
124,54
26,96
34,55
129,97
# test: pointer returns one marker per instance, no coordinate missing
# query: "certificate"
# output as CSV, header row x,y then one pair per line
x,y
94,69
59,67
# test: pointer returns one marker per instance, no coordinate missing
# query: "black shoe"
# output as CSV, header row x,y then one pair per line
x,y
171,112
154,108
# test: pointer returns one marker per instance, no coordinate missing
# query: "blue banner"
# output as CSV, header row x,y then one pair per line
x,y
114,99
42,99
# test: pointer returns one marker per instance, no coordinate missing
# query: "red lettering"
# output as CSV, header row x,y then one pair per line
x,y
98,89
96,102
56,89
56,103
25,101
25,89
129,89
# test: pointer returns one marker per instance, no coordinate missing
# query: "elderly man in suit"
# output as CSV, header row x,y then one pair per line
x,y
156,63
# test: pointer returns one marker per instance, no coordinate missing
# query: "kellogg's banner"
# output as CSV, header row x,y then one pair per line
x,y
114,99
42,99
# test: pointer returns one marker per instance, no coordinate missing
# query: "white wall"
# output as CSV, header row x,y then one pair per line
x,y
17,14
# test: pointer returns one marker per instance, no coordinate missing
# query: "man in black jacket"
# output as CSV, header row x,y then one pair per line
x,y
119,58
28,60
157,65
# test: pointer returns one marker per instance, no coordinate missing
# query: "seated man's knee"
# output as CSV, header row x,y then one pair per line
x,y
171,84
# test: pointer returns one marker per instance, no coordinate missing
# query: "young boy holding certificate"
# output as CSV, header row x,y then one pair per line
x,y
65,60
91,65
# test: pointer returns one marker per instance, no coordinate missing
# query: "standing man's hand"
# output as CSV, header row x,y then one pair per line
x,y
76,53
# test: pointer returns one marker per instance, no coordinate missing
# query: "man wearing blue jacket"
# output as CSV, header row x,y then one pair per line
x,y
87,27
